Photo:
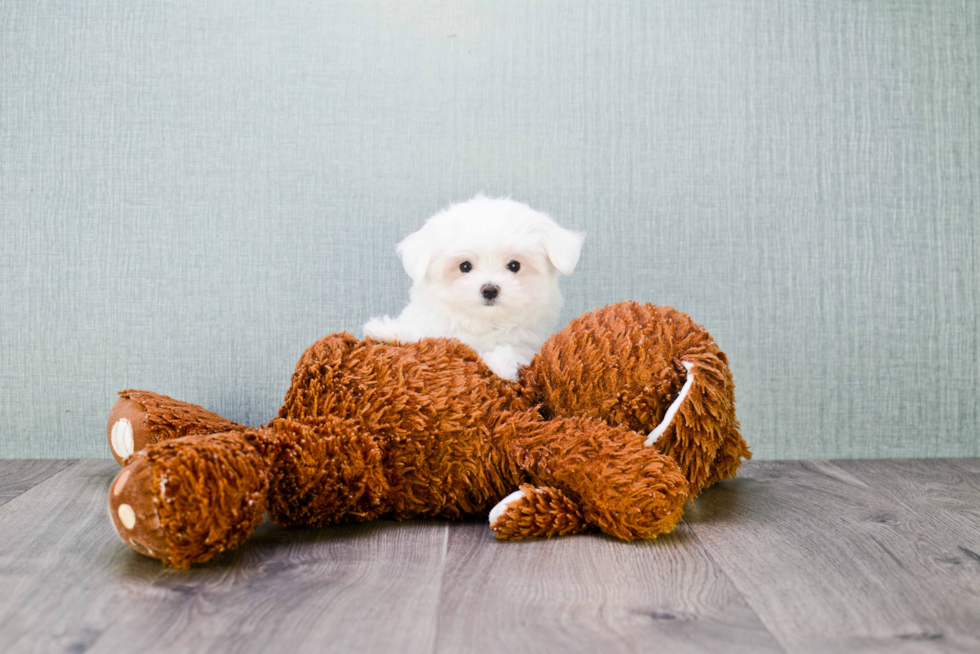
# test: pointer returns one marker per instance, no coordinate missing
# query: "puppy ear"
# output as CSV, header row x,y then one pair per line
x,y
416,254
562,246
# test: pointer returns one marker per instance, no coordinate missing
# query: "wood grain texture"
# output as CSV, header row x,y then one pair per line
x,y
590,594
17,476
68,584
371,587
871,556
849,556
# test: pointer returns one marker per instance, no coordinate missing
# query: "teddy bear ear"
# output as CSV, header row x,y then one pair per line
x,y
562,246
415,251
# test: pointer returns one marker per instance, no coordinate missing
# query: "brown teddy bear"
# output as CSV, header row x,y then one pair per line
x,y
621,418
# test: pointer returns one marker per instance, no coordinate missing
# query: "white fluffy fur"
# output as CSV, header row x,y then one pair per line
x,y
444,301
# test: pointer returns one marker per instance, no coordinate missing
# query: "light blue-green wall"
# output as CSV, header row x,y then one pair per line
x,y
192,192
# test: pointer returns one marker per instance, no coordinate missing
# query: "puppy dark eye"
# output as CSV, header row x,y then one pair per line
x,y
514,266
465,267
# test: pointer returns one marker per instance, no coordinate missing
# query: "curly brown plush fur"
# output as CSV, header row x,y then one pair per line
x,y
425,429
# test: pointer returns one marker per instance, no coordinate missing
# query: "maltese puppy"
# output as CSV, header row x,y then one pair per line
x,y
485,272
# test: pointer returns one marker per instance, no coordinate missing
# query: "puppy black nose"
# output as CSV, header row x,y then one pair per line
x,y
489,291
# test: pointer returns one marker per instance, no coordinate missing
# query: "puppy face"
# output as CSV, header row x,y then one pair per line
x,y
490,259
491,280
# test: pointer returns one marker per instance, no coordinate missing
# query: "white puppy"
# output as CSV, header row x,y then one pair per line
x,y
486,272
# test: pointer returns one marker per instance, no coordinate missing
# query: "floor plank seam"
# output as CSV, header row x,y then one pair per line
x,y
4,506
442,585
741,592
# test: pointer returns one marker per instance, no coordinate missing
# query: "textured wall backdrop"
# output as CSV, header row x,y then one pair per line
x,y
190,193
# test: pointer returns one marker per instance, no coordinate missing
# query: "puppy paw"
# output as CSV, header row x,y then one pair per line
x,y
503,369
381,330
504,361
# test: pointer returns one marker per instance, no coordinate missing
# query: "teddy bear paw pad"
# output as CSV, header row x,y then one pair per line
x,y
127,516
121,438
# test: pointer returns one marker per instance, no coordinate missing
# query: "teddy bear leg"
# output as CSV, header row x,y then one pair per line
x,y
140,418
537,512
186,500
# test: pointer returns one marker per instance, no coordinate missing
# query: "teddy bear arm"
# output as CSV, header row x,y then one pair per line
x,y
620,486
534,512
140,418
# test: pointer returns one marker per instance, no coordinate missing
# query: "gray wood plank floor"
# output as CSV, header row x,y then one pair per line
x,y
864,556
19,476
